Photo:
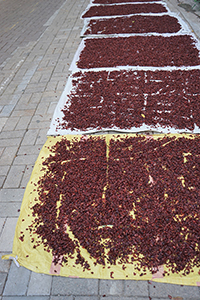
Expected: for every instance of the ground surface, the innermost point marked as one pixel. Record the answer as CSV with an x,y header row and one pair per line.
x,y
37,44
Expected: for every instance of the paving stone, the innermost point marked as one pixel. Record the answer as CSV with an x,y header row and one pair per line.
x,y
52,108
14,176
1,151
26,298
45,77
36,98
7,235
25,159
110,287
30,149
26,107
37,122
2,122
74,286
4,264
157,289
42,109
24,112
62,298
17,281
2,180
4,171
11,195
135,288
2,281
35,78
42,136
30,137
125,298
35,88
23,122
7,110
52,85
10,142
176,298
40,284
11,134
10,209
8,155
87,298
11,123
26,176
61,85
50,94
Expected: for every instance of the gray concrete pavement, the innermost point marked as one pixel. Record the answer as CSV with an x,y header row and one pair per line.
x,y
33,73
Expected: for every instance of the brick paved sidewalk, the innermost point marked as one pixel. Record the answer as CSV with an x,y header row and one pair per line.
x,y
32,79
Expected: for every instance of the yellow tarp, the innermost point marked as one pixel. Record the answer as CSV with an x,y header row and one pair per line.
x,y
39,260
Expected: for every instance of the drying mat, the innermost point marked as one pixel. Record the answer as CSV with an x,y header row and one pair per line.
x,y
120,207
135,24
124,9
129,101
152,51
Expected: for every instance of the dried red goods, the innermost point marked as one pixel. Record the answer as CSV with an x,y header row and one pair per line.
x,y
142,201
134,24
126,99
119,1
125,9
139,51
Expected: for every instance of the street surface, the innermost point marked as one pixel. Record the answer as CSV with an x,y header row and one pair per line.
x,y
38,41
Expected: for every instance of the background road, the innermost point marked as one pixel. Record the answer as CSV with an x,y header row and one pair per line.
x,y
22,21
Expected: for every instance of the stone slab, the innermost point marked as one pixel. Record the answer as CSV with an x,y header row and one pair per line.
x,y
26,298
30,149
87,298
10,142
40,284
10,134
25,159
2,180
4,264
62,298
10,209
17,282
7,235
135,288
4,170
2,122
110,287
11,195
74,286
14,176
2,281
157,289
125,298
26,176
8,155
30,137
